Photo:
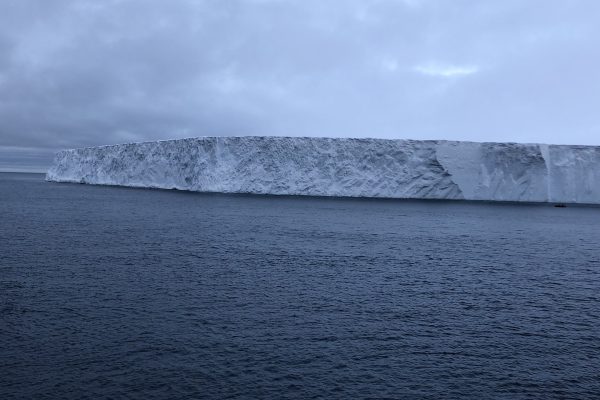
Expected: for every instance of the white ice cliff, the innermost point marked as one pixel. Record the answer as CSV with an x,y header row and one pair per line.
x,y
343,167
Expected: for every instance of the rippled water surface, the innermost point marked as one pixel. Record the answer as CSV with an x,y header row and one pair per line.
x,y
144,294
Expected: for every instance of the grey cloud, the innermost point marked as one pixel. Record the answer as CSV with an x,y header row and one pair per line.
x,y
83,72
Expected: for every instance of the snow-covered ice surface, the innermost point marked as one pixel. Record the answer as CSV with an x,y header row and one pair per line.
x,y
343,167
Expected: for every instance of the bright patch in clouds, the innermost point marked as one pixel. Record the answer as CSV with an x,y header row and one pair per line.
x,y
446,71
389,64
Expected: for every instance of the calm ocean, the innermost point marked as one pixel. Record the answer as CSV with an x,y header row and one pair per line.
x,y
147,294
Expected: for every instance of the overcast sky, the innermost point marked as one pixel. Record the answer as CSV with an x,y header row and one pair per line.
x,y
90,72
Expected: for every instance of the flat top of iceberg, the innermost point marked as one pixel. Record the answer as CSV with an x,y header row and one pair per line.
x,y
278,137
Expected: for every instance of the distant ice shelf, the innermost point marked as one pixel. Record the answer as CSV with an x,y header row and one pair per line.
x,y
343,167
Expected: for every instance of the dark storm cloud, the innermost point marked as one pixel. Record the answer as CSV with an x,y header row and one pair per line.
x,y
88,72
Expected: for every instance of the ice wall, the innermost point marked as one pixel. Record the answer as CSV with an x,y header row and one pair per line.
x,y
344,167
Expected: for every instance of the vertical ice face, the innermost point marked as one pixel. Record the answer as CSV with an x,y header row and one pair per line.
x,y
343,167
574,173
496,171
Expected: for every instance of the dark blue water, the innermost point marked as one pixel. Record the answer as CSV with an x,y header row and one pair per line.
x,y
144,294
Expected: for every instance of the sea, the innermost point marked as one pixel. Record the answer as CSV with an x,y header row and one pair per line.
x,y
121,293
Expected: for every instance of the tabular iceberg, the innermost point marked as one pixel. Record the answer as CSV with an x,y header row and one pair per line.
x,y
343,167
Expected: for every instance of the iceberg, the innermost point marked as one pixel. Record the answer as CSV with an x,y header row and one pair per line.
x,y
345,167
